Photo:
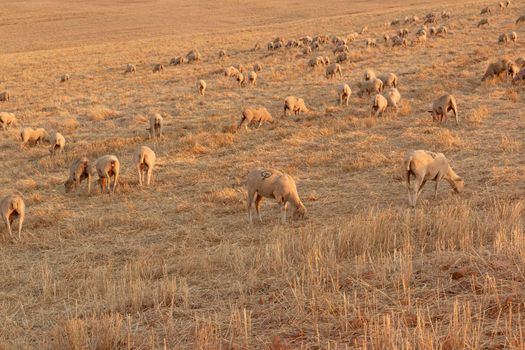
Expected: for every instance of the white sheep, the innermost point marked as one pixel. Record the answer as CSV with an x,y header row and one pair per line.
x,y
108,167
79,170
5,96
64,78
341,48
520,62
58,142
386,37
7,120
421,39
270,183
33,135
11,207
294,105
201,87
315,61
378,105
252,78
370,86
144,159
158,68
156,123
369,75
332,70
442,30
507,3
424,166
503,66
344,94
255,115
443,105
130,68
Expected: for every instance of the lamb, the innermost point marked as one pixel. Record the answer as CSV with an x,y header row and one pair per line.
x,y
393,97
156,123
252,78
270,183
178,60
399,41
222,53
57,143
389,80
503,38
193,56
7,119
442,106
130,68
378,104
485,11
257,67
424,166
11,207
332,70
344,94
33,135
483,21
5,96
252,114
80,169
64,78
144,159
513,36
158,68
369,75
520,19
107,166
370,86
294,105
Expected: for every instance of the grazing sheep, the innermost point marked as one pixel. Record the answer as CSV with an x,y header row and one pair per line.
x,y
222,53
402,32
241,79
369,75
395,22
11,207
144,159
393,97
292,43
107,166
433,30
294,105
272,183
332,70
57,143
389,80
255,115
252,78
513,36
378,104
442,30
485,11
306,40
370,86
64,78
80,169
424,166
158,68
386,37
175,61
483,21
363,30
257,67
5,96
193,56
442,106
325,60
353,36
520,61
399,41
7,120
422,31
503,38
430,18
201,86
270,45
341,48
344,94
33,135
130,68
231,72
370,42
499,68
316,61
307,50
520,19
421,39
341,57
277,45
156,123
519,77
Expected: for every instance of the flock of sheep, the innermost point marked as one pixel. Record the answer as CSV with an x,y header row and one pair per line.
x,y
418,166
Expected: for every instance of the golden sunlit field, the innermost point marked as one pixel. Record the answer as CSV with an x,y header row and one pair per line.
x,y
176,265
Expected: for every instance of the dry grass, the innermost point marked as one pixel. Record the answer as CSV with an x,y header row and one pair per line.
x,y
176,265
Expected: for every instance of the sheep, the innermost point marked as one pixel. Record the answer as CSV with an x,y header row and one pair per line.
x,y
399,41
231,71
344,94
353,36
442,30
158,68
64,78
442,106
307,50
424,166
378,104
57,143
369,75
277,45
7,119
241,79
270,46
395,22
178,60
201,87
507,3
520,19
252,114
433,30
222,53
498,68
292,43
156,123
519,77
5,96
341,48
503,38
520,62
294,105
422,30
80,169
370,42
393,97
306,40
257,46
501,6
33,135
485,11
370,86
144,159
513,36
11,207
445,14
332,70
389,80
107,166
430,18
193,56
315,61
341,57
386,37
402,32
421,39
363,30
252,78
239,67
257,67
130,68
483,21
325,60
271,183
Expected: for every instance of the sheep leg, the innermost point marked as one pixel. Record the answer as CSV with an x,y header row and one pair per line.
x,y
438,180
341,100
421,187
89,183
258,199
347,100
149,172
250,202
8,225
284,206
115,182
20,222
139,170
